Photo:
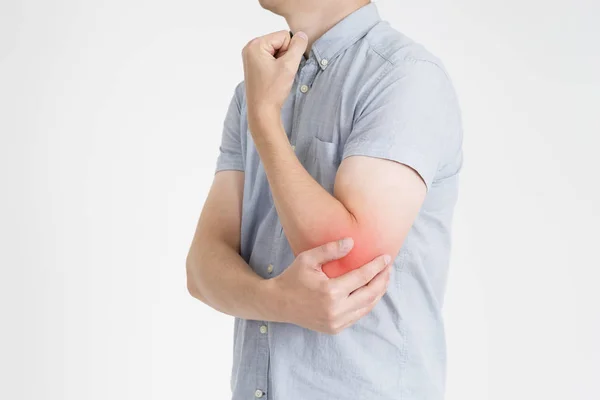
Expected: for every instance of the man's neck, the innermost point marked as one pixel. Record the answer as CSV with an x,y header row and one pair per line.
x,y
318,21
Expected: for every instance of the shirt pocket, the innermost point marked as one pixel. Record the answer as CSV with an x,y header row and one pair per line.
x,y
322,162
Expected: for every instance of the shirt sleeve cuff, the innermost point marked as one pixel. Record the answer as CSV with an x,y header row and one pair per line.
x,y
409,157
228,162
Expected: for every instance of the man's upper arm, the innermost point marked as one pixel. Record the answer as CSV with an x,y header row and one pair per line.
x,y
219,224
222,212
384,197
394,151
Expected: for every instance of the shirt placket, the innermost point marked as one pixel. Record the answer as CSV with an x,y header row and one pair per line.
x,y
301,87
262,361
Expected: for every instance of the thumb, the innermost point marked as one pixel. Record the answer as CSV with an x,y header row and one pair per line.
x,y
328,252
296,48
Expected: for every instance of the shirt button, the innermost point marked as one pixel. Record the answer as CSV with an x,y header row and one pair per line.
x,y
263,329
324,62
304,88
258,393
270,267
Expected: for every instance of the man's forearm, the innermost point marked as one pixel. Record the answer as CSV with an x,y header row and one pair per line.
x,y
220,278
309,215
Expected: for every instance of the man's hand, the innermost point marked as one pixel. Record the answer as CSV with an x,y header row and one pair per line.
x,y
308,298
270,65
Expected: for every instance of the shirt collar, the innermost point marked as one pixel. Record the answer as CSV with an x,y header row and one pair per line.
x,y
344,34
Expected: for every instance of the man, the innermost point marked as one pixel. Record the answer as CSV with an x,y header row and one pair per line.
x,y
326,232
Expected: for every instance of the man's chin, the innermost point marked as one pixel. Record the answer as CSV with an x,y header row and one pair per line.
x,y
275,6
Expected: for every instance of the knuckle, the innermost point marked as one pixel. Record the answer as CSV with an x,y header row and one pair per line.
x,y
329,299
333,294
330,317
334,328
330,291
328,294
248,47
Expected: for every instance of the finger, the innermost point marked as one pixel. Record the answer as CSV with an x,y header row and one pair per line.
x,y
296,48
329,252
355,311
368,295
281,52
274,42
359,277
354,317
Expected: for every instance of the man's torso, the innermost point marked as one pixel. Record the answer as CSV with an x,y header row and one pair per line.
x,y
398,350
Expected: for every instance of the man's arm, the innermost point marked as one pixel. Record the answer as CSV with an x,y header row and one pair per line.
x,y
375,201
389,160
218,276
302,294
216,273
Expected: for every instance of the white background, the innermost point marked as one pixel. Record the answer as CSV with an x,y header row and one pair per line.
x,y
110,118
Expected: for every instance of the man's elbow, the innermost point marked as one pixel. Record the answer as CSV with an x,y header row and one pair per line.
x,y
191,278
191,286
369,242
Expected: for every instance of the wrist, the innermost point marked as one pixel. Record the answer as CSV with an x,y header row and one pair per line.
x,y
263,118
273,303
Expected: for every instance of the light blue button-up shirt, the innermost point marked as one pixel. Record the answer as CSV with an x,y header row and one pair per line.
x,y
365,89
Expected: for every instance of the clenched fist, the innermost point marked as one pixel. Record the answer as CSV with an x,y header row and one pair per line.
x,y
270,65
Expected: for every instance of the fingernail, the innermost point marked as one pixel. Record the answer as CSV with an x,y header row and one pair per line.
x,y
387,259
302,35
346,244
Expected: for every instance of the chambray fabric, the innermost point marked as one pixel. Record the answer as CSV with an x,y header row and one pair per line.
x,y
378,94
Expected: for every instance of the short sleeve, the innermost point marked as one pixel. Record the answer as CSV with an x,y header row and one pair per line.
x,y
230,151
409,117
